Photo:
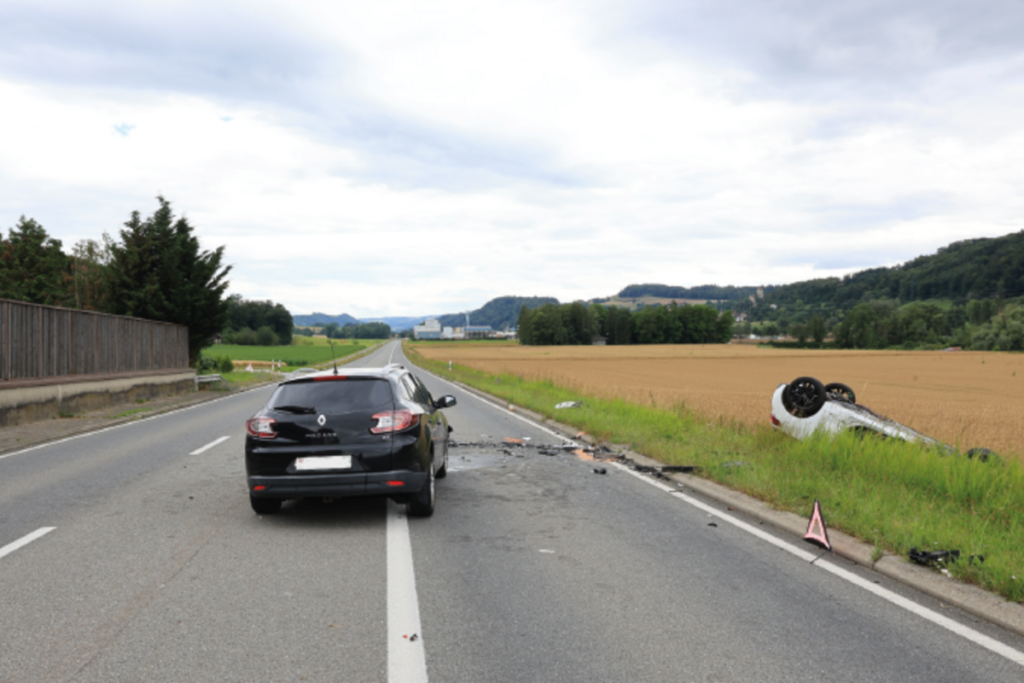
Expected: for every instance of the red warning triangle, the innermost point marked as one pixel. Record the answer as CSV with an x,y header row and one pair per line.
x,y
816,531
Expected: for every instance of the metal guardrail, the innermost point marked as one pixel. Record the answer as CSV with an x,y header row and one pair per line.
x,y
209,379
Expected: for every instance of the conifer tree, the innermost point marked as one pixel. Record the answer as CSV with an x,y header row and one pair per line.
x,y
159,272
32,265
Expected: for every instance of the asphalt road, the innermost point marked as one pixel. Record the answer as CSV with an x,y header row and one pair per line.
x,y
533,568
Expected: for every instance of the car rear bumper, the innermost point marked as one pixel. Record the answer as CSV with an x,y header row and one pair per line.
x,y
337,485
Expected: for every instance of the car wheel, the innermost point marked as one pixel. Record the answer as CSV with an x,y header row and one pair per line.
x,y
803,397
422,502
982,454
443,472
840,392
264,506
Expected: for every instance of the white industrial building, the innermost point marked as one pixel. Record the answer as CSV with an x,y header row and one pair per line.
x,y
430,329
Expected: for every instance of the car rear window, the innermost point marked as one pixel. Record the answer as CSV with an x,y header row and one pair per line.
x,y
335,396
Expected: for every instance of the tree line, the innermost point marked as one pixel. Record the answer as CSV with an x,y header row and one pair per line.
x,y
155,270
716,292
579,323
376,330
257,323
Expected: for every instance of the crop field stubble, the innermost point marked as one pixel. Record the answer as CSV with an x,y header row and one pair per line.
x,y
964,398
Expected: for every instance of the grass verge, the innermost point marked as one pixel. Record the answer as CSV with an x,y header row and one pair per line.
x,y
293,356
892,494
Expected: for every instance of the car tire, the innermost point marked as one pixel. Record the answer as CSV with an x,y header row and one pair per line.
x,y
836,391
803,397
264,506
982,455
443,472
422,502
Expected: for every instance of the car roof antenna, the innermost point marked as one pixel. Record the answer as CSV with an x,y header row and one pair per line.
x,y
331,343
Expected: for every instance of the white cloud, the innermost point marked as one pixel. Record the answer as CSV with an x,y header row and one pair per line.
x,y
396,158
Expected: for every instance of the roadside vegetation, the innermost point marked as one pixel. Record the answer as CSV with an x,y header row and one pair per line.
x,y
305,352
889,493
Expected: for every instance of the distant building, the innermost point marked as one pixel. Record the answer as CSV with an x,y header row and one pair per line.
x,y
478,331
430,329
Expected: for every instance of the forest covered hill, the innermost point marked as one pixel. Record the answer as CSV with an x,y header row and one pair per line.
x,y
498,313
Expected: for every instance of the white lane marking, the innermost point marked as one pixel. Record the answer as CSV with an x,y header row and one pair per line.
x,y
391,358
496,407
970,634
25,540
128,424
407,661
210,445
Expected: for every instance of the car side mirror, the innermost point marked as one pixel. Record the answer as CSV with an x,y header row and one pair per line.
x,y
445,402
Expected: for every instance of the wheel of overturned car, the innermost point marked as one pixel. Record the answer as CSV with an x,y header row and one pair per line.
x,y
982,454
422,502
803,397
837,391
264,506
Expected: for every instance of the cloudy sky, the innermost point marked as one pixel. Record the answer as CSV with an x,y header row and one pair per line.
x,y
401,157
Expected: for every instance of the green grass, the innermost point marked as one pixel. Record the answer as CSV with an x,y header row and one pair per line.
x,y
136,411
293,356
889,493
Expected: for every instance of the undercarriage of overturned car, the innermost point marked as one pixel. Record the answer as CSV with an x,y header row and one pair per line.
x,y
805,406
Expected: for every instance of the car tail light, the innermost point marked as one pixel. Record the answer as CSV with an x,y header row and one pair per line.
x,y
394,421
261,427
775,421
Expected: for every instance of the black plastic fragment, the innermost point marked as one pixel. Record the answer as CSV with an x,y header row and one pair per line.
x,y
600,470
933,558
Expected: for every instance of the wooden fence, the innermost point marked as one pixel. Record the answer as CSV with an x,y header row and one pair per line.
x,y
42,343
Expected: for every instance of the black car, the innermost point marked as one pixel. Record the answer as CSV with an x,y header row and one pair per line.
x,y
357,432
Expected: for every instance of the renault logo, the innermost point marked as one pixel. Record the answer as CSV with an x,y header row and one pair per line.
x,y
321,420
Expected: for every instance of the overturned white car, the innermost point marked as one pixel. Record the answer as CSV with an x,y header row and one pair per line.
x,y
805,405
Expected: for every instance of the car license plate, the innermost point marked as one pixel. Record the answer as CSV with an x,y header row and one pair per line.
x,y
325,462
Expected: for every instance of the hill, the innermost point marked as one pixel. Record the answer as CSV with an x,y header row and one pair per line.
x,y
701,293
498,313
963,271
398,323
322,319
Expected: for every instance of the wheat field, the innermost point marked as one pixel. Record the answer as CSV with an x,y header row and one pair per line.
x,y
963,398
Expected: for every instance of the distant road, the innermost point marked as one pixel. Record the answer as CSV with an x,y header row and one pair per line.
x,y
133,555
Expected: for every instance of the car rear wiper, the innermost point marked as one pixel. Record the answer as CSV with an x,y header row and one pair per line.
x,y
301,410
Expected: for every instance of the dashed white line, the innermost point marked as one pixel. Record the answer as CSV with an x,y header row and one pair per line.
x,y
210,445
407,661
25,540
127,424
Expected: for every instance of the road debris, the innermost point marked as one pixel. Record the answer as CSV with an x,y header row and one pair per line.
x,y
569,404
657,471
600,470
932,558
